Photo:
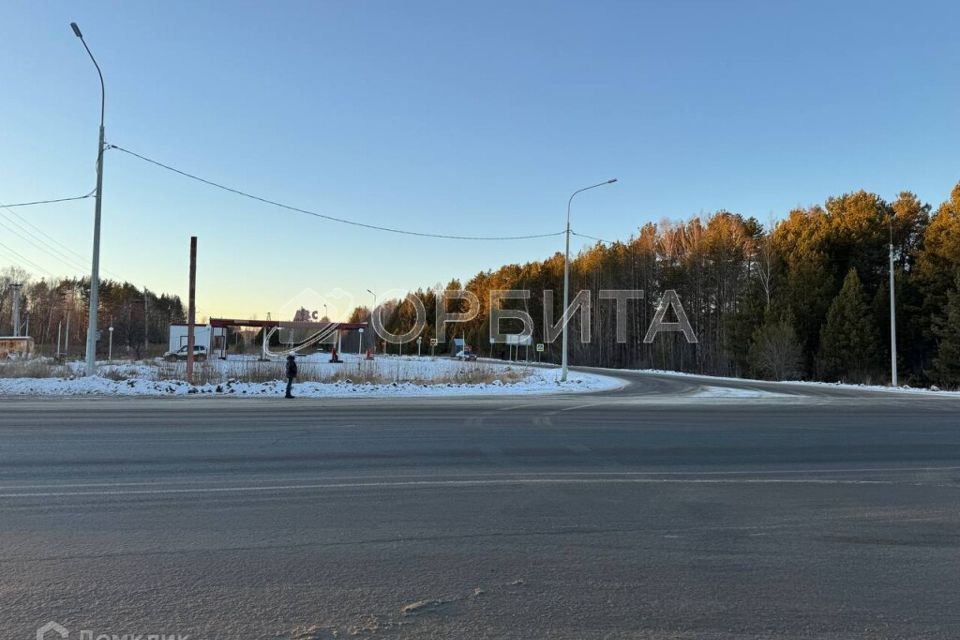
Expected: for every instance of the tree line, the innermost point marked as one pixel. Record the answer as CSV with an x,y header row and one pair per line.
x,y
52,307
807,297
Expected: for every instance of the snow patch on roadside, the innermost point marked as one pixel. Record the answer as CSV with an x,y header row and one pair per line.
x,y
812,383
538,382
729,392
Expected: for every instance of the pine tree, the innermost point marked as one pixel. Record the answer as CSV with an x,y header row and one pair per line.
x,y
848,340
742,327
947,329
775,351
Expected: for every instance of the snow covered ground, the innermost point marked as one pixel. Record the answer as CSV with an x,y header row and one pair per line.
x,y
716,391
710,391
386,376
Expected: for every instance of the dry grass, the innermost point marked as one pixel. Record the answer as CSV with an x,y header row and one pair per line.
x,y
203,372
363,372
117,375
473,373
34,368
215,372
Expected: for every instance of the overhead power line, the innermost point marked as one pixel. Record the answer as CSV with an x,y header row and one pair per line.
x,y
324,216
583,235
21,258
61,252
83,259
35,202
38,243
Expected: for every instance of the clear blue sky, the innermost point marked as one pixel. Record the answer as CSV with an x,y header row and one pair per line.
x,y
454,117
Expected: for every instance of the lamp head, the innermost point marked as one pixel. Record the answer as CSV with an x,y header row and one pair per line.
x,y
76,30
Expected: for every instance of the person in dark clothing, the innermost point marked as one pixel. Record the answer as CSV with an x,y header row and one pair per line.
x,y
291,374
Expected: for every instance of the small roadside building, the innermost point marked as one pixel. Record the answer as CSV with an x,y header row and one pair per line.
x,y
212,339
15,347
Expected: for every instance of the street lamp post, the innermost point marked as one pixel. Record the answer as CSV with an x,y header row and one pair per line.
x,y
566,277
95,269
372,311
893,316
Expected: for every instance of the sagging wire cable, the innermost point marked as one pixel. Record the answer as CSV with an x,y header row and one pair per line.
x,y
308,212
583,235
54,201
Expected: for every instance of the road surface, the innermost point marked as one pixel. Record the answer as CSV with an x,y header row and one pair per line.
x,y
661,510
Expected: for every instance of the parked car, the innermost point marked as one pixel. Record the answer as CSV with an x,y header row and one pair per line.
x,y
199,353
466,355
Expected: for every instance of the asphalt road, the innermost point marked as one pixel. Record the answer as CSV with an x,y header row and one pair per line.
x,y
655,511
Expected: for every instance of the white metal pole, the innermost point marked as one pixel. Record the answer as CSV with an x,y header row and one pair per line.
x,y
893,323
566,279
95,268
59,326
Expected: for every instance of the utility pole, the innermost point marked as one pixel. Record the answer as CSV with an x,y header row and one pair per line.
x,y
192,313
146,325
893,316
16,308
373,310
95,269
566,280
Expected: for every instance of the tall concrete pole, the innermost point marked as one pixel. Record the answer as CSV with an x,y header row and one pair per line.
x,y
372,311
566,281
95,268
893,323
146,326
16,309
